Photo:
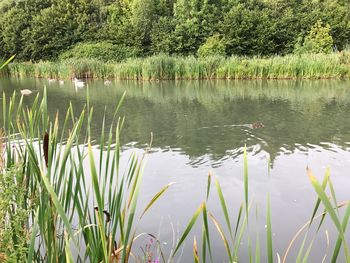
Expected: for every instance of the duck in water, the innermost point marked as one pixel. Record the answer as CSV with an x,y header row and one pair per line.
x,y
257,125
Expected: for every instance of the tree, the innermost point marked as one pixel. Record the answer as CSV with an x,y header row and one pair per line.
x,y
13,27
249,29
318,40
57,28
162,36
143,16
213,46
195,21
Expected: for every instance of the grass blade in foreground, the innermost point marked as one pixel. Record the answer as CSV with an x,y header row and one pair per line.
x,y
325,200
188,228
269,232
8,61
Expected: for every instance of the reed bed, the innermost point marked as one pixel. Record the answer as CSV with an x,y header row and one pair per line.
x,y
162,67
49,206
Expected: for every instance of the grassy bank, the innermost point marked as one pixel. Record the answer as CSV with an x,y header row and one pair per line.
x,y
305,66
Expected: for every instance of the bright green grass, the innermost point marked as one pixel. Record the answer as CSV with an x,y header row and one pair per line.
x,y
162,67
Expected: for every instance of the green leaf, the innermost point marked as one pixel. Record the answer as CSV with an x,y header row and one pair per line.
x,y
188,228
269,232
8,61
155,198
322,195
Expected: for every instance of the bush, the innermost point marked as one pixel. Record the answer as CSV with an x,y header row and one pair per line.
x,y
104,51
214,46
318,40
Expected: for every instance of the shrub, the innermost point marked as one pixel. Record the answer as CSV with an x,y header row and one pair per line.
x,y
104,51
214,46
318,40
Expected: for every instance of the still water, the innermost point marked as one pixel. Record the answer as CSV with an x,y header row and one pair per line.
x,y
199,127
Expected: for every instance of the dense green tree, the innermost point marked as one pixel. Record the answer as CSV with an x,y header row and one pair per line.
x,y
249,30
60,26
162,36
195,21
143,16
213,46
14,25
43,29
337,16
118,27
318,40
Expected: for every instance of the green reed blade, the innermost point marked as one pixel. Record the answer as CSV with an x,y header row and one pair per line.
x,y
206,230
223,206
322,195
307,253
334,198
257,249
301,249
204,245
339,239
134,198
208,184
99,200
58,206
238,219
155,198
269,232
323,217
223,237
32,238
245,158
188,229
7,62
318,202
69,256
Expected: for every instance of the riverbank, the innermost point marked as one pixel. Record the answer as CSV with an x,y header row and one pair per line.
x,y
162,67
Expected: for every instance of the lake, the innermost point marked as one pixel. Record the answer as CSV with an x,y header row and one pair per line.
x,y
202,126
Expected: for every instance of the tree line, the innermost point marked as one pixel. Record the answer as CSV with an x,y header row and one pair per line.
x,y
118,29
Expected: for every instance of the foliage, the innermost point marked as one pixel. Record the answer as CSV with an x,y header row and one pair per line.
x,y
213,46
318,40
97,221
104,51
162,36
304,66
41,30
14,214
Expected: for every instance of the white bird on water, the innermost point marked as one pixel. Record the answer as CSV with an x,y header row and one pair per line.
x,y
78,83
61,82
108,82
26,92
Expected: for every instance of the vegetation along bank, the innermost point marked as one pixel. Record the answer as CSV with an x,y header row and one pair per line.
x,y
176,39
163,67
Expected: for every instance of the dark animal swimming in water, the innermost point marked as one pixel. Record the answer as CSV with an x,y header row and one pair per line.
x,y
257,125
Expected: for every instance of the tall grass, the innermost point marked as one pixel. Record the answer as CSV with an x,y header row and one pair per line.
x,y
79,204
162,67
232,232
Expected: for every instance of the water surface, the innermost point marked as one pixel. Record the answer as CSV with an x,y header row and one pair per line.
x,y
201,126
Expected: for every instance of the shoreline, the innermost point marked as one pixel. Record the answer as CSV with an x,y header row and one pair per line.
x,y
166,68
